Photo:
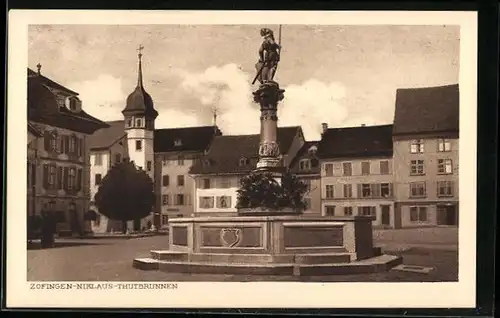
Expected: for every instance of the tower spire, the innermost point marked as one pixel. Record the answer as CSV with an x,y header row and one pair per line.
x,y
214,112
139,77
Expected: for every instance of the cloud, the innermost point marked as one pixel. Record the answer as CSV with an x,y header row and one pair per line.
x,y
102,97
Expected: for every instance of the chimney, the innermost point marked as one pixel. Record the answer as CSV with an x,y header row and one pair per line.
x,y
363,125
39,67
324,128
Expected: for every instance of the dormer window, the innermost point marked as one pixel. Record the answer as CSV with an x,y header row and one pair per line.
x,y
206,162
304,164
244,161
177,143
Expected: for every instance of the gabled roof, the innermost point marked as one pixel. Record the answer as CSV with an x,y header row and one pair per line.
x,y
427,110
106,137
352,142
306,152
226,152
195,139
43,108
47,81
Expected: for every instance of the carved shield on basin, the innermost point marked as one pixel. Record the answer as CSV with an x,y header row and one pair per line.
x,y
230,237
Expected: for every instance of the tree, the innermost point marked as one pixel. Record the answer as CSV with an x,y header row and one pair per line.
x,y
261,190
126,193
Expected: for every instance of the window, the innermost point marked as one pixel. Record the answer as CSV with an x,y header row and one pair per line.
x,y
329,169
417,189
367,210
418,214
416,167
330,210
138,145
385,190
51,180
307,182
164,199
60,178
366,190
244,161
444,145
445,166
307,203
53,141
348,210
98,179
206,202
329,191
365,168
224,183
180,161
138,122
347,169
445,188
206,184
129,123
118,158
164,161
177,143
148,165
305,164
384,167
71,178
98,159
180,181
224,202
347,191
165,180
72,104
72,144
164,219
179,199
417,146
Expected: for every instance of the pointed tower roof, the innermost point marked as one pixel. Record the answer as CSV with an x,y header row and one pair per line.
x,y
139,102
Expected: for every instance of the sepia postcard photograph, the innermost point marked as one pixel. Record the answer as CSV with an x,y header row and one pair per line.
x,y
218,159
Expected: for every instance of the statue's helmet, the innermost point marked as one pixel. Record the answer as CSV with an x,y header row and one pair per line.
x,y
266,32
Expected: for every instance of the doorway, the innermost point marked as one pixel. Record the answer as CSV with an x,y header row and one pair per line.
x,y
137,225
386,214
447,215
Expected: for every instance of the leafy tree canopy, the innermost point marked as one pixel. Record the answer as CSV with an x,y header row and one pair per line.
x,y
126,193
261,190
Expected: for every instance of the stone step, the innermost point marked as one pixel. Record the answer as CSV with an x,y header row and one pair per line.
x,y
310,258
371,265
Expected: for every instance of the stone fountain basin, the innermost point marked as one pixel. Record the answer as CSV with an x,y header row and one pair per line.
x,y
271,245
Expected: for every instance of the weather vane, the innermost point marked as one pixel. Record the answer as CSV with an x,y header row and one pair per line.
x,y
139,49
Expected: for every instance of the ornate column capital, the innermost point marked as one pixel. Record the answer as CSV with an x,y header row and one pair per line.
x,y
268,95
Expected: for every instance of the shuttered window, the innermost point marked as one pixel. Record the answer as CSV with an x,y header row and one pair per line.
x,y
79,177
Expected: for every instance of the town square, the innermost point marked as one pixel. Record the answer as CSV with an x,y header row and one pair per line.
x,y
243,153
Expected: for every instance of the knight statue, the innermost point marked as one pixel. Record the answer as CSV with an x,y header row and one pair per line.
x,y
269,56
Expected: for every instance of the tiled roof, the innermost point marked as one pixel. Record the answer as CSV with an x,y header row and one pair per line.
x,y
352,142
43,108
106,137
47,81
196,139
226,152
427,110
306,152
34,130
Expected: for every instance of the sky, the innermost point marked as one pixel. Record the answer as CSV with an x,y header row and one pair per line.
x,y
340,75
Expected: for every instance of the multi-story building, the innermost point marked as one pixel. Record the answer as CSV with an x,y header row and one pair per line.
x,y
58,157
165,154
426,139
306,166
356,172
230,158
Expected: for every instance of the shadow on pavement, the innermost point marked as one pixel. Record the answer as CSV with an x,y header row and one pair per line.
x,y
38,245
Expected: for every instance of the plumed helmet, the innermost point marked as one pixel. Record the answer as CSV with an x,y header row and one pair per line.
x,y
266,32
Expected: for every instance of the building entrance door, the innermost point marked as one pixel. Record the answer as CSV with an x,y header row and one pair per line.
x,y
450,215
386,214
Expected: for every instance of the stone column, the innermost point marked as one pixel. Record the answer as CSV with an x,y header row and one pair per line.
x,y
267,96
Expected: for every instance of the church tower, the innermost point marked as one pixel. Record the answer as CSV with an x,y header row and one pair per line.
x,y
140,117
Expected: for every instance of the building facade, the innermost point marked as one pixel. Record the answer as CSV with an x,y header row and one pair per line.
x,y
165,154
426,145
58,156
357,173
217,174
306,166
